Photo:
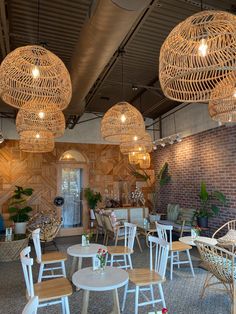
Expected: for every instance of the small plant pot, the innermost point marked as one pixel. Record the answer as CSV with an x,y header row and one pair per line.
x,y
202,222
20,227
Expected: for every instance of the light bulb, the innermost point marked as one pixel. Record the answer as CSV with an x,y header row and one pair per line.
x,y
203,47
140,148
135,138
37,135
230,118
178,138
35,72
41,114
234,94
219,123
163,144
1,138
123,118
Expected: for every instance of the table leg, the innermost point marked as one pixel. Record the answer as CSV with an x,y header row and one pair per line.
x,y
73,266
85,302
80,263
116,308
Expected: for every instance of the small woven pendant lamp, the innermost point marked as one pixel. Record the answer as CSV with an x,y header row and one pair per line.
x,y
197,54
39,120
144,161
33,73
36,141
143,145
133,158
223,108
122,122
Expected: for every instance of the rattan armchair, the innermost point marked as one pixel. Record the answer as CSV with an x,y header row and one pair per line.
x,y
228,242
221,266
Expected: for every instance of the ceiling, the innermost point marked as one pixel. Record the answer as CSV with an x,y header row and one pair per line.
x,y
60,24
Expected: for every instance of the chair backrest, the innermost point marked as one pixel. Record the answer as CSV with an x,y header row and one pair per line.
x,y
27,264
37,245
130,232
107,223
218,261
224,228
158,260
31,306
99,219
163,231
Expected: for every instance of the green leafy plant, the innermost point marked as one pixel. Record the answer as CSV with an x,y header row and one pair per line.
x,y
207,208
92,197
17,206
142,174
163,176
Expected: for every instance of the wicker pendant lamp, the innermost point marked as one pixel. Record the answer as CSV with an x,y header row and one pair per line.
x,y
34,74
133,158
143,145
36,141
144,161
197,55
39,120
122,122
223,108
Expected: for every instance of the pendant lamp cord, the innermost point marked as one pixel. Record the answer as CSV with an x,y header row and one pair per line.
x,y
121,54
38,19
201,6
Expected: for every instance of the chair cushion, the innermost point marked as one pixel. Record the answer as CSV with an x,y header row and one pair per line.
x,y
144,276
172,212
228,238
53,257
186,214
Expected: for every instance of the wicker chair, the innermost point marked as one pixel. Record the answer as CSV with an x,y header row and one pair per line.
x,y
228,243
221,266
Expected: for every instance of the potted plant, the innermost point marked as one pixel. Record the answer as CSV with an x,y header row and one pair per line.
x,y
207,208
18,209
92,197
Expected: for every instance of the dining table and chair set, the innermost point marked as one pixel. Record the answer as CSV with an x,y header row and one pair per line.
x,y
119,271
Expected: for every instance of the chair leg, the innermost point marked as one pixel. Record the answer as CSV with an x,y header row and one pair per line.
x,y
178,259
162,295
130,262
112,257
136,299
124,297
190,262
171,264
125,262
63,268
67,308
106,241
208,277
104,238
116,239
96,239
40,272
55,244
63,305
152,295
139,245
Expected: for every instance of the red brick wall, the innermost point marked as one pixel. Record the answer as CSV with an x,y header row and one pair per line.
x,y
209,156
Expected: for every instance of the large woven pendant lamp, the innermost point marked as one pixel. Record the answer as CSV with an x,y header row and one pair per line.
x,y
197,54
39,120
143,145
34,74
36,141
122,122
223,107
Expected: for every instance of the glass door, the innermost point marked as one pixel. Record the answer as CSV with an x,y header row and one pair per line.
x,y
71,191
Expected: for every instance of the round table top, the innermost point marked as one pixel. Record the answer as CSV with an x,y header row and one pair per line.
x,y
93,280
189,240
78,250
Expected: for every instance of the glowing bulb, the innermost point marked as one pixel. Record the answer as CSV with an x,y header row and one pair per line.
x,y
135,138
230,118
123,118
41,114
203,47
35,72
140,148
37,135
234,94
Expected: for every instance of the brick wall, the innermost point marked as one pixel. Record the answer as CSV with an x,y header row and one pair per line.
x,y
209,156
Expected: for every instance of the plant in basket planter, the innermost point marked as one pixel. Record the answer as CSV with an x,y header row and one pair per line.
x,y
208,208
18,209
92,197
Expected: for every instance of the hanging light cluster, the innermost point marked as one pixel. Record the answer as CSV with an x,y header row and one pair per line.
x,y
36,81
197,63
143,159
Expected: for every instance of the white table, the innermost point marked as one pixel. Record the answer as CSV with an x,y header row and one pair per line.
x,y
191,241
78,252
89,280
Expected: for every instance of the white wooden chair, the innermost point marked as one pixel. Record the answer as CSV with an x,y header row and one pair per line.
x,y
145,278
126,250
114,232
49,292
32,306
48,259
175,248
100,228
